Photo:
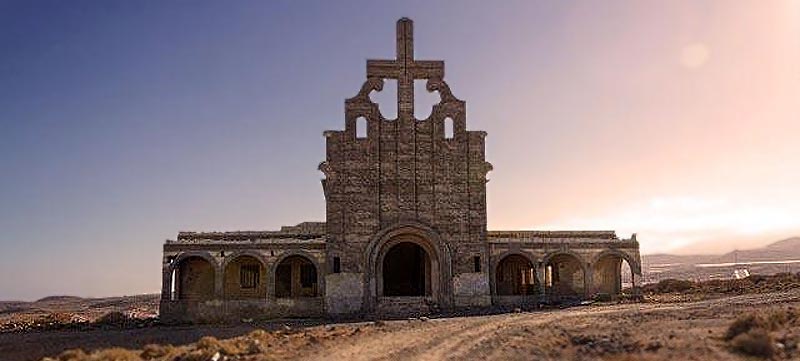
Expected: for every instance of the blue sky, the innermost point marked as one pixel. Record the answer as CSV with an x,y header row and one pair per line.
x,y
122,123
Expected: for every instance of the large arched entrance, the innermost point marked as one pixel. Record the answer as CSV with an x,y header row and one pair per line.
x,y
406,271
515,276
565,277
193,279
612,274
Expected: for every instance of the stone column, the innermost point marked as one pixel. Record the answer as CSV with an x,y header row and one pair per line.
x,y
166,282
588,281
540,276
635,290
219,283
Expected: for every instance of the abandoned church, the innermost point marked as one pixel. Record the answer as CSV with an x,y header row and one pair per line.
x,y
405,228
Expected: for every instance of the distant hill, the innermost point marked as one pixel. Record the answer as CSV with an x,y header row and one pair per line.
x,y
779,251
84,308
786,249
700,267
674,259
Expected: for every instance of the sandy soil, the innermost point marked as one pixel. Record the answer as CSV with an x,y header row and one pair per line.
x,y
688,331
650,331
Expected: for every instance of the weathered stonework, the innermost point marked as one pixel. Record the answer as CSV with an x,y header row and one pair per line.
x,y
405,227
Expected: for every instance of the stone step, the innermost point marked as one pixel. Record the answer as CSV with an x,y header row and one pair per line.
x,y
405,306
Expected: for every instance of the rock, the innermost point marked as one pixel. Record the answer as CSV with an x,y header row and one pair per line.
x,y
653,346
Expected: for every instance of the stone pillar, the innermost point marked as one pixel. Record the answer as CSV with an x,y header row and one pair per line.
x,y
219,283
166,282
295,288
540,277
588,282
635,290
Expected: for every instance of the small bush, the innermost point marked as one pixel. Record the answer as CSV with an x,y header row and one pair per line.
x,y
72,355
212,345
109,354
116,354
743,325
768,321
153,351
756,342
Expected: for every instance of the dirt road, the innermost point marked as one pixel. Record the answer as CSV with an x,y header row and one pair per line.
x,y
645,331
657,331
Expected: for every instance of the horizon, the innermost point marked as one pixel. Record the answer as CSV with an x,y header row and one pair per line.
x,y
124,124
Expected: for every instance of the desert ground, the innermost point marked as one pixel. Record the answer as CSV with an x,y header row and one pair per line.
x,y
727,320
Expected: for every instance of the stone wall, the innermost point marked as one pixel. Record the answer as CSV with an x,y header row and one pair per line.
x,y
344,293
222,255
594,252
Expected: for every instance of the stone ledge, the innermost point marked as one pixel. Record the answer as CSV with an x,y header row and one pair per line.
x,y
302,231
553,234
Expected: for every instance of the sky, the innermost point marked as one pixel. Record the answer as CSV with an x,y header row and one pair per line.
x,y
122,123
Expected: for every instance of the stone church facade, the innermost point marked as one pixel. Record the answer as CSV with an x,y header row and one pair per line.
x,y
405,227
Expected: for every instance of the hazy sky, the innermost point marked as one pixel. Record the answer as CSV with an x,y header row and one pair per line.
x,y
123,122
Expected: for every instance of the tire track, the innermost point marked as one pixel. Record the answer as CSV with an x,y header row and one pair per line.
x,y
471,337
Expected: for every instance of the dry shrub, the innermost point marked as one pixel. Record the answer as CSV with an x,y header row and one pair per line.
x,y
247,345
756,342
780,318
744,324
211,345
197,355
769,321
115,354
73,355
153,351
262,336
109,354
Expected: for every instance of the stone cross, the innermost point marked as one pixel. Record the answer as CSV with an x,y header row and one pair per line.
x,y
405,69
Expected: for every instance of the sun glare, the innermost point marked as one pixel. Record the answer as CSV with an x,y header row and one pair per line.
x,y
694,55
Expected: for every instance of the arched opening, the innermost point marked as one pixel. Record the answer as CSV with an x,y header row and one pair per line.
x,y
449,130
565,276
244,279
611,275
515,276
407,271
361,127
193,279
296,276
